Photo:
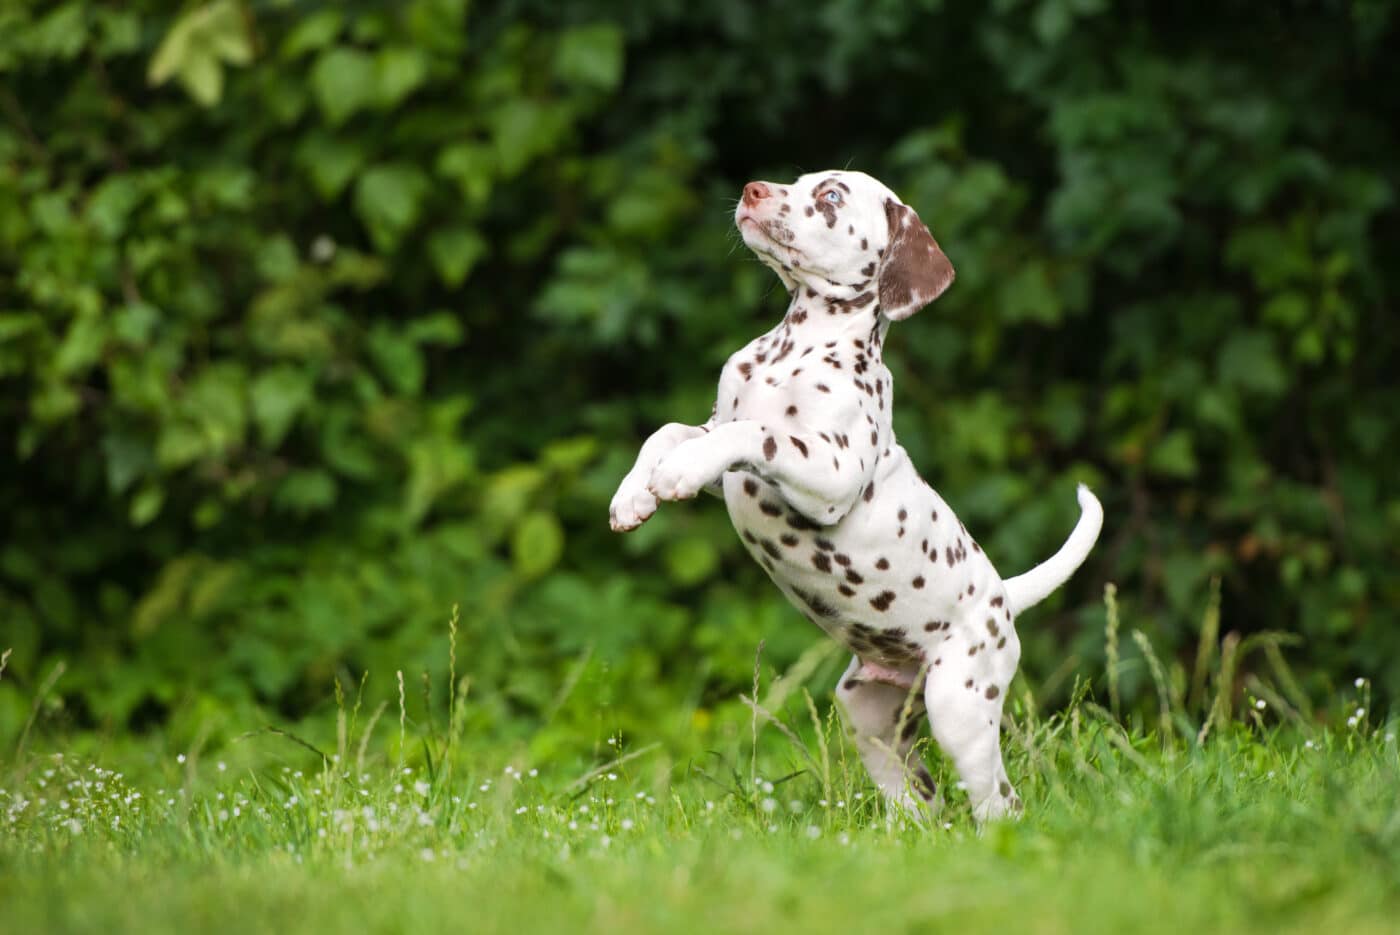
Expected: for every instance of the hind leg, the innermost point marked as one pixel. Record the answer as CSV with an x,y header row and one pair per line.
x,y
965,713
885,719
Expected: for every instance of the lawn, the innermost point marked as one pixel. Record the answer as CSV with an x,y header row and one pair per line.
x,y
1268,822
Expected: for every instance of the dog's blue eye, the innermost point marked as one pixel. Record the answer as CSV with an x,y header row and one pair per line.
x,y
832,196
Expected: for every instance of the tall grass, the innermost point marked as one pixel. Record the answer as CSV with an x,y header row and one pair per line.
x,y
1225,802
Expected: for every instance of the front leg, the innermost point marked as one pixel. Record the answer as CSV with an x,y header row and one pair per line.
x,y
815,477
633,504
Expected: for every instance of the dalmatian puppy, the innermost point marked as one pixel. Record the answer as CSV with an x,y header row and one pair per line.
x,y
800,446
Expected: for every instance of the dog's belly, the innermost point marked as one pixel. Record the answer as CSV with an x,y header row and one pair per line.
x,y
885,581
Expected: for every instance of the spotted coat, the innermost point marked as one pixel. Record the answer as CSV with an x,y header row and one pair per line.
x,y
800,446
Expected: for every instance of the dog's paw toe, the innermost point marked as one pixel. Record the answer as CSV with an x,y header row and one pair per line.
x,y
631,508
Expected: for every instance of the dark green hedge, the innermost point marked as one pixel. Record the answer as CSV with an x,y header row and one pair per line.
x,y
316,318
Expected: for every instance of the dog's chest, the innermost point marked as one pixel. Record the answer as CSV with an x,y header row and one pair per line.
x,y
787,378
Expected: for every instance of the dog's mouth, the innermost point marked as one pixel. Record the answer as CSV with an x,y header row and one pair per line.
x,y
773,232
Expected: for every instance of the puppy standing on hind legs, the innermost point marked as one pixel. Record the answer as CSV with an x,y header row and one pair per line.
x,y
800,446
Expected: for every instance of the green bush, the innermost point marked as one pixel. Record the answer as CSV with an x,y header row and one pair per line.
x,y
318,318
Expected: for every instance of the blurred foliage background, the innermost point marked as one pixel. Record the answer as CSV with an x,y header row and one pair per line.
x,y
317,318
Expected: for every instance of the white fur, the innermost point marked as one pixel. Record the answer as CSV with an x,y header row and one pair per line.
x,y
801,447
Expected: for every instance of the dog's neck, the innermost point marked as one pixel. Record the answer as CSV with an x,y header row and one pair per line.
x,y
840,314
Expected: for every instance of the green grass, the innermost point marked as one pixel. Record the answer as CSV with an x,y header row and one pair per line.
x,y
1265,821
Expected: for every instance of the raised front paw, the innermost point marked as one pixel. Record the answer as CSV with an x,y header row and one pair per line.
x,y
682,473
631,506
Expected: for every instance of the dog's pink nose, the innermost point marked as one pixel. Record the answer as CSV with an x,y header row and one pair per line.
x,y
754,192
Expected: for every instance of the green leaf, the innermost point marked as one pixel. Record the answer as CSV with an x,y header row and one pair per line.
x,y
523,130
82,345
61,34
1249,361
1173,455
398,360
454,251
536,544
399,72
203,77
278,395
111,203
225,29
569,454
1028,294
508,495
128,458
344,82
179,444
388,199
312,32
590,56
166,596
217,401
305,491
330,162
145,506
435,465
440,328
472,167
197,47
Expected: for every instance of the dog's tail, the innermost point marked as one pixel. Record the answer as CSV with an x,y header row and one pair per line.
x,y
1034,586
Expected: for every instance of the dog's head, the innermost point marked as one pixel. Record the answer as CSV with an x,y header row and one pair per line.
x,y
842,231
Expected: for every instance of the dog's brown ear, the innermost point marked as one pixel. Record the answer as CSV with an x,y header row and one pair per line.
x,y
915,271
